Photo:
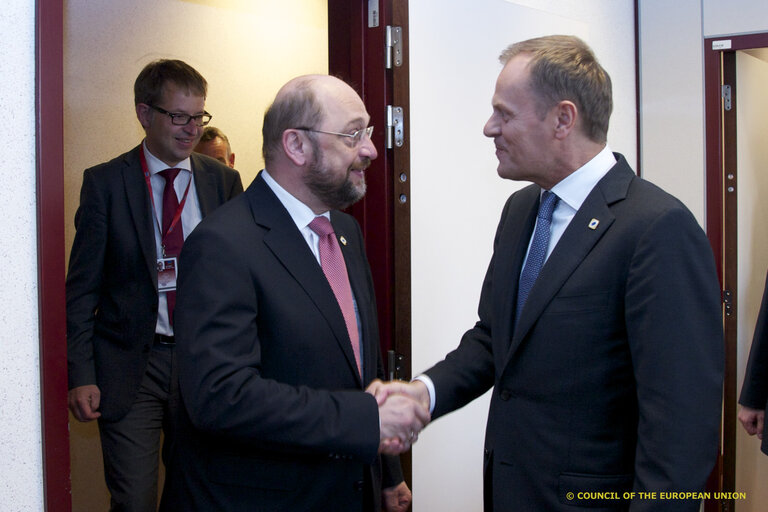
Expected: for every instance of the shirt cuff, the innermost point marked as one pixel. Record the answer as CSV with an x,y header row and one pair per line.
x,y
430,388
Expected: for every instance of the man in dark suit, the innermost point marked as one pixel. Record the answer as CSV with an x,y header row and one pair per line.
x,y
606,363
274,356
754,391
120,334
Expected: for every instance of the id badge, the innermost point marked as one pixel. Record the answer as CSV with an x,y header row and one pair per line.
x,y
166,274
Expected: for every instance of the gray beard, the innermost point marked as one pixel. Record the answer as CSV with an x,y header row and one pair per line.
x,y
336,196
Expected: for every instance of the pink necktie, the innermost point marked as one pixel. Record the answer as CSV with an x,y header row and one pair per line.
x,y
335,271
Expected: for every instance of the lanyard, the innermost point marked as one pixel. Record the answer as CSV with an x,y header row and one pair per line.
x,y
176,216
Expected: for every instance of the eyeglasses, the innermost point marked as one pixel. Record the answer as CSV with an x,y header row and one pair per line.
x,y
184,119
356,136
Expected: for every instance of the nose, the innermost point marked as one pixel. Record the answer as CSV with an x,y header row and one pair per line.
x,y
191,127
491,128
367,149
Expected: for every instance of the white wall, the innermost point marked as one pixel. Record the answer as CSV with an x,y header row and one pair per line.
x,y
21,478
672,99
457,196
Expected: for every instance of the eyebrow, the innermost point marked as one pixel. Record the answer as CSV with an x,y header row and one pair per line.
x,y
354,122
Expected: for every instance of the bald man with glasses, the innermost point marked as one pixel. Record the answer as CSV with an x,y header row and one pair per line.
x,y
279,335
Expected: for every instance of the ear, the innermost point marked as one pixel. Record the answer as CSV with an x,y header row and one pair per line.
x,y
295,147
232,160
565,122
144,113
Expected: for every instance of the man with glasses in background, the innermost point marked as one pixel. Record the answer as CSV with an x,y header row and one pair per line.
x,y
135,212
278,331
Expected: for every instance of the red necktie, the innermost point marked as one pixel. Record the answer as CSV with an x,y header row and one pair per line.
x,y
173,240
335,271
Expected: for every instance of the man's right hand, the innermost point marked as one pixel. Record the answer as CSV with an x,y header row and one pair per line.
x,y
84,402
402,418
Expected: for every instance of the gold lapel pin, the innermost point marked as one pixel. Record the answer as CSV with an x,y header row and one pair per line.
x,y
343,240
593,224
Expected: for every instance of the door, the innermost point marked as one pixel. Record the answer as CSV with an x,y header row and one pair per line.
x,y
368,47
734,80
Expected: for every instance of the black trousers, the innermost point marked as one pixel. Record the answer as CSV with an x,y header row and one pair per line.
x,y
131,446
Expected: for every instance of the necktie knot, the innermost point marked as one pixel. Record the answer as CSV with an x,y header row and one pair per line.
x,y
547,206
321,225
170,175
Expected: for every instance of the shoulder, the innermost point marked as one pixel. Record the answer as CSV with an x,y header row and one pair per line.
x,y
211,165
108,168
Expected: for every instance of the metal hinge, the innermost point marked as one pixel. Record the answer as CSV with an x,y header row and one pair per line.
x,y
395,129
394,46
726,97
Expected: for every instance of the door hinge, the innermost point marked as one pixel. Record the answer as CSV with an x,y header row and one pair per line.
x,y
395,130
727,97
394,46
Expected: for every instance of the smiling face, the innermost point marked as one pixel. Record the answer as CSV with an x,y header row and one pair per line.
x,y
169,142
336,172
522,136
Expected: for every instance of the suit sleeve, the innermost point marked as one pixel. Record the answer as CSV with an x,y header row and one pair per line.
x,y
754,392
84,281
236,186
674,331
220,363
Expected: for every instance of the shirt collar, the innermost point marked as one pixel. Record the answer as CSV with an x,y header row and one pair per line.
x,y
155,165
301,214
575,188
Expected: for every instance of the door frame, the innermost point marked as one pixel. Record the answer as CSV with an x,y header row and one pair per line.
x,y
389,255
721,223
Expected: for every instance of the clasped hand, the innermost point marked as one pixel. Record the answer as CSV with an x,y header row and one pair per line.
x,y
403,413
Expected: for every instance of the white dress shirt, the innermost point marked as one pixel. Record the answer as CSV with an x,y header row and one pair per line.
x,y
190,216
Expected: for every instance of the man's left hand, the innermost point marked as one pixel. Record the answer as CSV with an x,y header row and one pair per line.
x,y
397,498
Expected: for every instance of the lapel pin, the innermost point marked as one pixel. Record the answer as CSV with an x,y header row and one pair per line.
x,y
343,240
593,224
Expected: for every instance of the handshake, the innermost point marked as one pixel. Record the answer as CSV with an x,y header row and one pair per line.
x,y
403,413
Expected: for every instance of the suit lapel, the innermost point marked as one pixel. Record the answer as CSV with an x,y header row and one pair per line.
x,y
577,241
141,209
289,247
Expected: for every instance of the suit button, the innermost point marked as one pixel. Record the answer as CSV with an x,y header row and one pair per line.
x,y
505,394
359,485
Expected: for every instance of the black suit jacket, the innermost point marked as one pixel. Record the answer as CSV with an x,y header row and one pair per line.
x,y
754,392
275,417
111,286
611,379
